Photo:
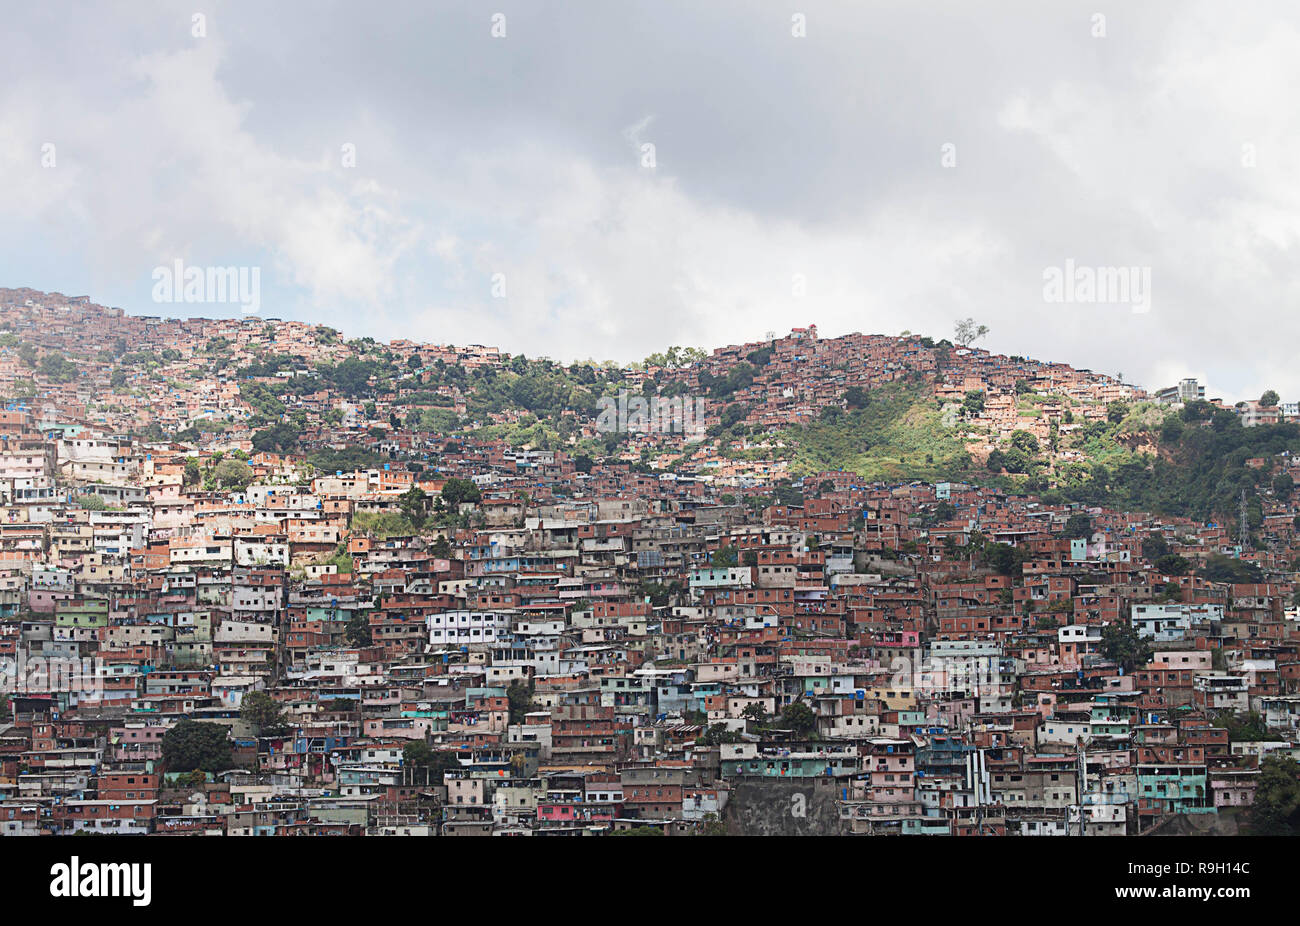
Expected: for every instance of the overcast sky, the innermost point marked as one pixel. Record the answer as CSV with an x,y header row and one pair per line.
x,y
896,167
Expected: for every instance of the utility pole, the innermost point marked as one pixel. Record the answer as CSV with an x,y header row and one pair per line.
x,y
1081,783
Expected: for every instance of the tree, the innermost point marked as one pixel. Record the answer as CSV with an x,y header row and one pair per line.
x,y
281,437
1277,798
967,332
231,473
723,558
263,712
857,397
713,826
1024,442
193,745
1120,643
440,548
1269,399
717,734
520,697
414,503
358,630
1220,568
973,403
1077,526
1005,558
799,718
57,368
418,754
1249,727
1171,564
1154,546
457,491
1116,410
755,712
194,779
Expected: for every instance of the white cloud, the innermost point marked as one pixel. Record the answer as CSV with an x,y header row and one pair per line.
x,y
777,157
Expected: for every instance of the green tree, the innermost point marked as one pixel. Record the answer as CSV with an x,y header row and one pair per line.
x,y
723,558
358,630
857,397
457,491
799,718
973,403
57,368
1077,526
717,734
1269,399
263,712
520,696
281,437
191,745
420,755
713,826
1248,727
1024,442
1154,546
417,753
1220,568
1120,643
414,503
233,474
1171,564
1005,558
1277,798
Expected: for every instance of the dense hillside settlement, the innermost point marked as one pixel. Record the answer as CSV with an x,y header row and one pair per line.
x,y
260,579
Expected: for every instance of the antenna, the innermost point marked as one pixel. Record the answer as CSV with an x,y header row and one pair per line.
x,y
1243,526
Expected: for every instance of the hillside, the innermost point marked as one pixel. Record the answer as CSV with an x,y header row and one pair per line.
x,y
886,408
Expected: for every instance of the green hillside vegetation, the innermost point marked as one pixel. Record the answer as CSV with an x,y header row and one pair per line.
x,y
1200,470
1198,467
899,434
1142,456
